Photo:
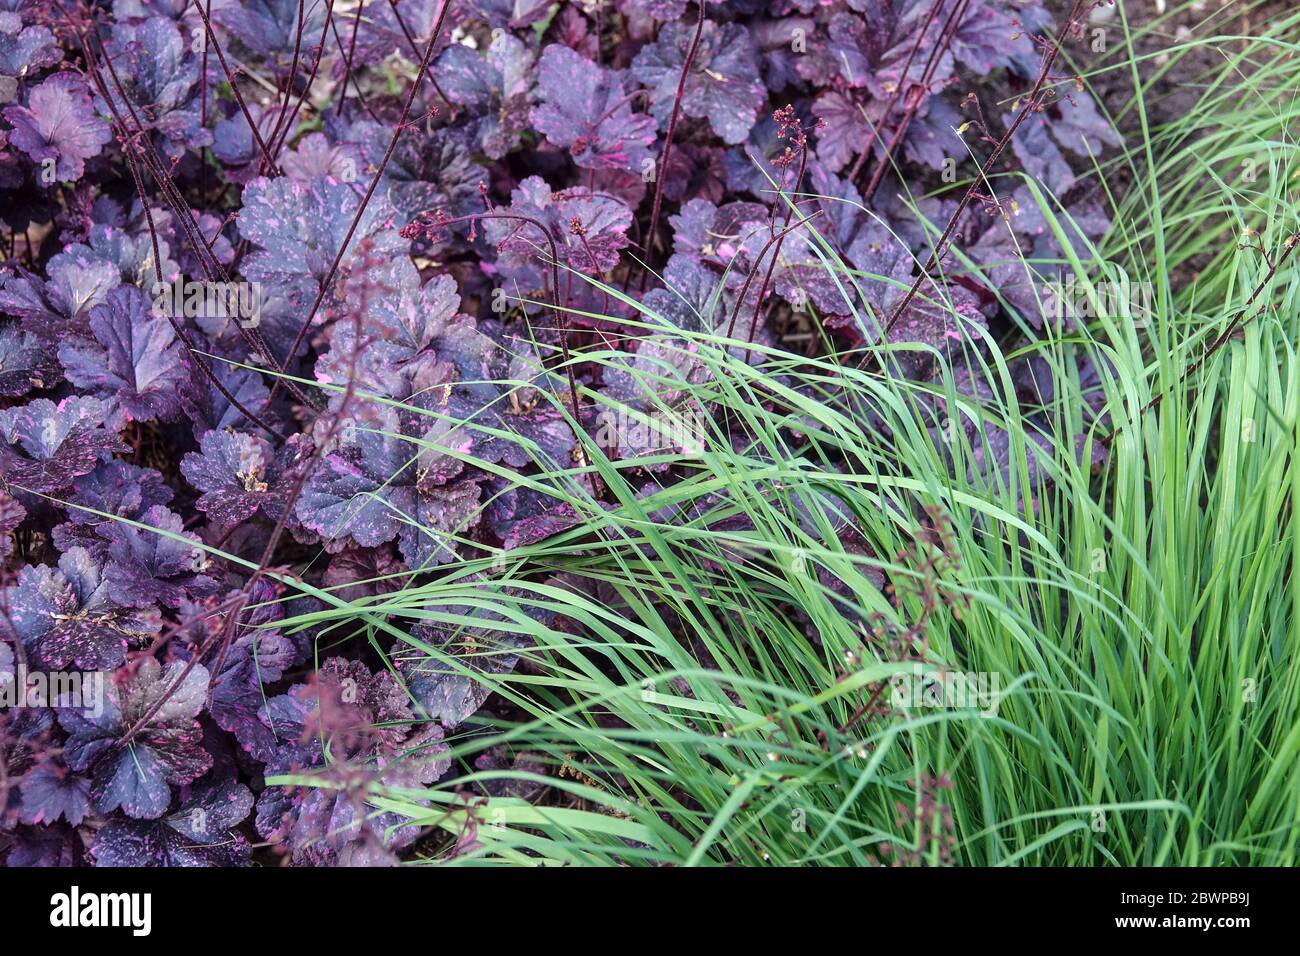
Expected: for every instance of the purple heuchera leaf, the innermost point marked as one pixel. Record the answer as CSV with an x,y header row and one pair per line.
x,y
66,616
235,472
379,487
234,143
604,222
690,301
300,227
521,401
198,833
366,721
496,88
134,359
50,791
407,329
801,273
585,110
258,656
166,750
454,681
712,234
207,408
78,281
270,27
433,170
48,445
159,74
871,52
521,516
946,326
400,27
24,363
41,846
846,127
1081,128
363,572
24,50
988,39
515,14
59,123
147,566
665,11
131,252
114,488
723,85
316,156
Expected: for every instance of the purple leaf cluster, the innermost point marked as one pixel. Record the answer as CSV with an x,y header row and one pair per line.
x,y
286,294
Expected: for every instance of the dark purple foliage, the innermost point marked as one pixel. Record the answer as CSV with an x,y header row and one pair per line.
x,y
24,364
58,123
134,358
51,792
400,399
297,227
391,480
369,727
157,563
158,70
113,490
199,832
165,750
46,445
24,49
67,615
52,307
602,219
585,110
497,89
723,84
236,472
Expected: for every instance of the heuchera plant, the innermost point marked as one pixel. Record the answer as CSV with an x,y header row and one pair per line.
x,y
386,217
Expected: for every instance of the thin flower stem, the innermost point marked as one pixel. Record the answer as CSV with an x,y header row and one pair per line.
x,y
898,91
328,280
1031,105
668,139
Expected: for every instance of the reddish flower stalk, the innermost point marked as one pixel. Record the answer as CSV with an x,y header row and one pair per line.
x,y
788,126
916,95
278,147
415,48
347,60
203,100
141,148
239,97
898,91
288,83
129,153
1032,104
365,200
744,289
668,140
304,469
